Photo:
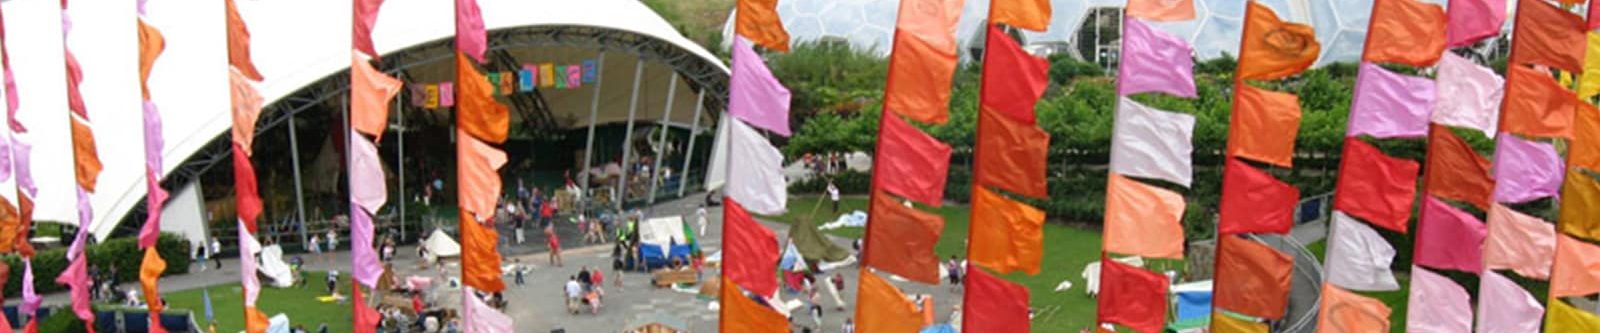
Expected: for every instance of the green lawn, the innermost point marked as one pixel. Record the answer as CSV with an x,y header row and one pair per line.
x,y
299,303
1066,251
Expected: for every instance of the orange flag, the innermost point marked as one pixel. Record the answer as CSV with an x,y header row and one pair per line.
x,y
246,109
1252,278
1345,311
901,240
758,21
478,166
1576,271
239,44
1264,125
1406,32
1013,155
1271,49
1143,220
151,43
924,60
88,157
1457,172
1161,10
149,274
25,209
1547,35
882,308
1006,235
1580,205
254,320
477,112
1536,105
1024,14
10,223
480,262
370,92
1585,149
741,314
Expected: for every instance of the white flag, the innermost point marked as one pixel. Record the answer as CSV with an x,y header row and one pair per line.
x,y
248,247
755,177
1437,304
477,316
1151,143
717,171
1469,95
1358,258
1504,307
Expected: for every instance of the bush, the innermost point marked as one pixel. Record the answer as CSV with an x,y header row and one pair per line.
x,y
849,182
1064,69
123,253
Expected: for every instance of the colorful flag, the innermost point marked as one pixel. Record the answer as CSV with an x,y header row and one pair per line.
x,y
1584,149
1564,318
1132,297
590,71
1375,187
547,75
1013,155
1264,124
1536,105
754,95
239,44
574,77
1576,271
370,92
1223,323
480,261
1547,35
994,304
507,84
478,114
1408,32
1521,243
478,316
1252,278
1473,20
255,321
366,16
754,262
246,108
760,184
431,96
1580,205
1344,311
447,94
364,265
1469,94
1161,10
155,196
1007,236
471,39
1142,220
918,162
1255,202
76,278
478,166
1589,81
1023,14
901,240
1455,171
1437,304
882,308
1151,143
86,156
365,319
246,192
1152,60
526,78
740,314
758,21
1389,104
923,63
1357,257
1015,79
151,43
1525,170
1273,49
1504,307
1449,238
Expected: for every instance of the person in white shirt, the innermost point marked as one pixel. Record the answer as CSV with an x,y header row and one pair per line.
x,y
700,215
574,294
216,247
833,194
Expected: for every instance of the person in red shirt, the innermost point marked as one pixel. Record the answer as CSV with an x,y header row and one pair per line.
x,y
555,244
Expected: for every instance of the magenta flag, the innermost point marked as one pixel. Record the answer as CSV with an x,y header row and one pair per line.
x,y
30,299
477,316
754,95
1449,238
1473,20
76,278
1154,61
1437,304
1390,105
366,175
1518,242
363,258
155,196
1525,170
153,141
1504,307
471,39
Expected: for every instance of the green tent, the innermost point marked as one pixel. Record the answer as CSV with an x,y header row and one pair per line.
x,y
813,244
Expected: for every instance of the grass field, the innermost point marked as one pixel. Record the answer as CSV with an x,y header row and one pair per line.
x,y
227,300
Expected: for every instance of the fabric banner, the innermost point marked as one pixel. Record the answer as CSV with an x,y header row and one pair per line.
x,y
1576,271
1154,61
1273,49
247,104
1013,79
1548,35
1437,304
370,93
1344,311
741,314
480,260
1536,105
1013,155
1151,143
1408,32
151,43
1192,305
477,316
1252,278
150,269
1525,170
239,44
1023,14
758,20
471,39
1006,235
1584,149
923,62
1455,171
920,164
901,240
155,196
758,180
1518,242
247,197
86,157
751,251
1142,220
754,94
76,275
367,186
882,308
1448,238
365,319
1375,187
994,304
1357,257
1132,297
1263,123
1253,201
1473,20
1469,93
477,113
1161,10
365,16
1589,79
1389,104
1580,206
364,265
478,176
1223,323
1504,307
1564,318
249,282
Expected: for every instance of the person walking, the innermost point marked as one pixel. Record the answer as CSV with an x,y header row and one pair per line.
x,y
700,217
833,195
216,249
315,246
554,242
574,294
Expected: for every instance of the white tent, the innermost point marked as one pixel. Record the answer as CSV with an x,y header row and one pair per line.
x,y
663,232
440,244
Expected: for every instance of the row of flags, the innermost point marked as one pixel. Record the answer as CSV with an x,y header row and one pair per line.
x,y
532,76
247,104
151,44
17,220
87,167
481,125
370,93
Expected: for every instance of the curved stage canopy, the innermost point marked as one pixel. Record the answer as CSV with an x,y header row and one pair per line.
x,y
303,49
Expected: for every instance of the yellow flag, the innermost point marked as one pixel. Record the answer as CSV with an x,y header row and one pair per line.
x,y
1589,83
1564,318
1222,323
1580,205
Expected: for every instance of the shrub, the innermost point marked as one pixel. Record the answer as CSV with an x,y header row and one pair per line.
x,y
123,253
849,182
1064,69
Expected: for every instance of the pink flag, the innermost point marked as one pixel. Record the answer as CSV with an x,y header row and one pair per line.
x,y
363,258
1525,170
21,156
366,175
5,158
754,95
471,39
1154,61
1437,304
366,16
1521,243
1448,238
1473,20
1504,307
30,299
1469,94
1390,105
153,141
151,231
477,316
248,247
76,278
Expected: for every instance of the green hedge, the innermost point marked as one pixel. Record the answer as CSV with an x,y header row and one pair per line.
x,y
124,253
849,182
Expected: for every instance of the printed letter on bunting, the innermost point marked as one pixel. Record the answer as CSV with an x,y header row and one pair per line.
x,y
1252,278
1007,235
1026,14
1273,49
1504,307
902,240
1525,170
1469,94
1262,124
918,162
882,308
1143,220
924,60
1161,10
1014,155
1375,187
1474,20
1437,304
1456,171
477,113
1519,242
1536,104
1548,35
1015,78
1565,318
1132,297
1408,32
1346,312
1389,104
1580,206
754,95
758,20
1153,61
1151,143
1576,271
995,305
1357,257
754,260
1449,238
1255,202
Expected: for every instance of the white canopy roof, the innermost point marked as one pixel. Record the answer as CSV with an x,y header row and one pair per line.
x,y
295,43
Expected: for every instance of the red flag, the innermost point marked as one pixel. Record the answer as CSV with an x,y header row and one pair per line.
x,y
1254,201
918,162
1132,297
1406,32
1012,155
366,319
1013,79
1536,105
994,304
901,240
1594,17
750,251
480,261
248,198
1547,35
366,15
1252,278
1455,171
1375,187
239,44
